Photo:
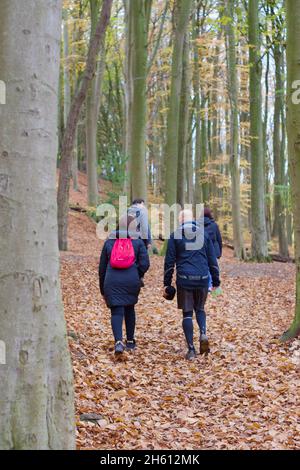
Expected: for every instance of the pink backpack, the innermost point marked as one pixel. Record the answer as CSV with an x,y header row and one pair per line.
x,y
122,255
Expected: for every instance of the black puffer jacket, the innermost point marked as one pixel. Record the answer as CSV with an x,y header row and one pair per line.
x,y
212,229
121,287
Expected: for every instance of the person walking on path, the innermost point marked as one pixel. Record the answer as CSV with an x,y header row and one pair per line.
x,y
123,263
192,253
212,229
139,211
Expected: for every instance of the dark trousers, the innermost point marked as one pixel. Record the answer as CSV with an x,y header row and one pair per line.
x,y
190,301
118,314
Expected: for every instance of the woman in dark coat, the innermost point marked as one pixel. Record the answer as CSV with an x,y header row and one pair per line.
x,y
213,231
121,287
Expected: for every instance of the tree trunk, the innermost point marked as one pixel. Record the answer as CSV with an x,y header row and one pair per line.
x,y
69,134
139,14
265,147
258,219
128,92
36,384
279,176
183,8
197,108
92,111
75,163
205,139
234,139
215,130
67,77
293,126
184,125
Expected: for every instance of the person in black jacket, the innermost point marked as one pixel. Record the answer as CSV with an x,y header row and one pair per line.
x,y
191,250
139,210
121,287
212,228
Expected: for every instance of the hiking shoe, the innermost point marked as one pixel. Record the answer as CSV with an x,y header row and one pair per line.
x,y
119,347
130,345
191,354
204,345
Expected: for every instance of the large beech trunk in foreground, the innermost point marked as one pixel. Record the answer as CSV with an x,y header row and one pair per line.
x,y
293,131
36,386
70,131
258,219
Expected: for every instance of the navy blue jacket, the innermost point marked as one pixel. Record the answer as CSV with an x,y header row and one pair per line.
x,y
121,287
192,265
212,229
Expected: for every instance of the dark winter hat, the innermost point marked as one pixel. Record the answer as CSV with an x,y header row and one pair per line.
x,y
208,213
170,292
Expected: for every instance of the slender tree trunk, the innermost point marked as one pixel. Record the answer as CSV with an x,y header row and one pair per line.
x,y
184,124
75,163
67,77
67,94
36,385
265,147
183,8
92,111
293,126
197,102
139,12
128,93
258,219
215,130
234,139
190,173
69,134
205,139
279,177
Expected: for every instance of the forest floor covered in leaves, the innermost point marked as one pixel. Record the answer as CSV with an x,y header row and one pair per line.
x,y
244,395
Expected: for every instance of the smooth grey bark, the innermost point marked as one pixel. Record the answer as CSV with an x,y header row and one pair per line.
x,y
181,19
67,77
184,124
67,94
197,102
128,93
139,16
92,111
278,142
36,384
75,162
234,135
258,219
